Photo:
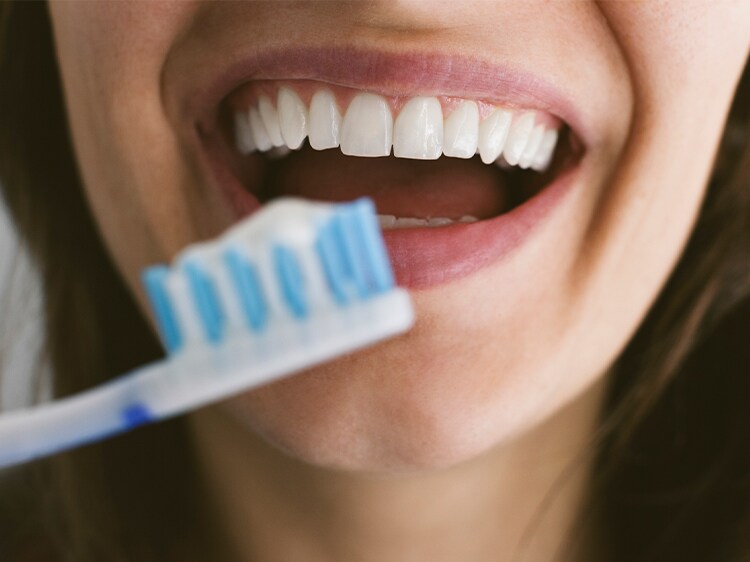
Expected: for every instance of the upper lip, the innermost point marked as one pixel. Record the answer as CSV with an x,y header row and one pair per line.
x,y
389,73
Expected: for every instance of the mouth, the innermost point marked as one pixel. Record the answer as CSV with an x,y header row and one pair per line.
x,y
461,174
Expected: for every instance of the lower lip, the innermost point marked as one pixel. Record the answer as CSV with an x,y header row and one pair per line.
x,y
428,257
431,256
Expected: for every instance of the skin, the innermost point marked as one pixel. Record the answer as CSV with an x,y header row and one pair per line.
x,y
445,442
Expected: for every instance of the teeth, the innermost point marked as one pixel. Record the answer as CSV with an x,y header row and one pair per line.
x,y
367,129
505,138
325,121
270,120
386,221
292,118
544,155
258,129
278,152
461,132
502,164
409,222
418,131
532,147
243,133
390,221
493,132
518,137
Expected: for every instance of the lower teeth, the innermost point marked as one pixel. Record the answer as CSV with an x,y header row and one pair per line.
x,y
390,221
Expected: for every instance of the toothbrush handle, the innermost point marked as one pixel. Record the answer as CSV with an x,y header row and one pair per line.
x,y
188,380
98,413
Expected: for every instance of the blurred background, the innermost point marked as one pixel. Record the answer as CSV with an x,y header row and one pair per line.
x,y
20,320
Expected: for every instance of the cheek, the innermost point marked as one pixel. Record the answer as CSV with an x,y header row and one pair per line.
x,y
140,185
664,56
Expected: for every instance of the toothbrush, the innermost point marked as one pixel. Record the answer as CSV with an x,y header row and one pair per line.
x,y
293,285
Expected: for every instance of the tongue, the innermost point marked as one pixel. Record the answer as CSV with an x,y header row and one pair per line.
x,y
447,187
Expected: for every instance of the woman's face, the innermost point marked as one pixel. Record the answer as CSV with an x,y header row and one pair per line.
x,y
517,314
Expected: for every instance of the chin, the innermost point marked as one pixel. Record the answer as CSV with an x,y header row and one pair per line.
x,y
400,407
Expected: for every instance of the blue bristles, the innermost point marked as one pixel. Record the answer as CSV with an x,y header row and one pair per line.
x,y
249,290
206,301
371,244
291,280
356,234
153,280
330,253
346,234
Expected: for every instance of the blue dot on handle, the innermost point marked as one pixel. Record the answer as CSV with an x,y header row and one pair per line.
x,y
136,414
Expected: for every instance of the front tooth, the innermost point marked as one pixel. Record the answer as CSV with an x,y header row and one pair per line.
x,y
535,141
243,133
270,120
260,136
461,131
325,121
418,131
546,149
518,137
367,129
493,132
292,118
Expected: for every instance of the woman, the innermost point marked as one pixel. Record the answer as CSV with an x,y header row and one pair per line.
x,y
575,386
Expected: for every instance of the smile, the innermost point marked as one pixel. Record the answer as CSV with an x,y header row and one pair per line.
x,y
459,171
425,127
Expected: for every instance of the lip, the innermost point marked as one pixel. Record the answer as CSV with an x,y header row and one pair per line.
x,y
421,257
387,73
427,257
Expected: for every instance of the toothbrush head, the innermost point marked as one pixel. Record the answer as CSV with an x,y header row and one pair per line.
x,y
288,264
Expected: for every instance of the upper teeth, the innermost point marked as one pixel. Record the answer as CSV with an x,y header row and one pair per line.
x,y
420,131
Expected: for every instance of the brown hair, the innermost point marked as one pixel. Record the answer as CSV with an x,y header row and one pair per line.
x,y
673,471
132,498
674,462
